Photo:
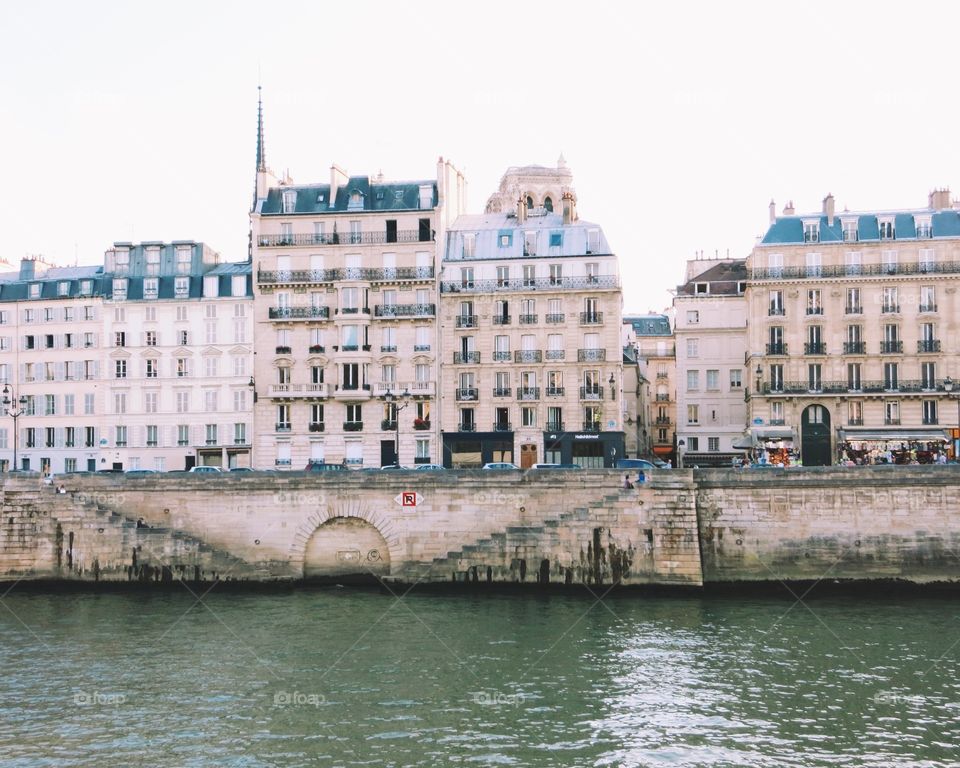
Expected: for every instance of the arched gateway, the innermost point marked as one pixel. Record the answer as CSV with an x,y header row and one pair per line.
x,y
346,547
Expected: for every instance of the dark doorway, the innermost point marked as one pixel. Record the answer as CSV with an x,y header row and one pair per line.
x,y
388,455
425,233
91,465
815,437
190,462
391,230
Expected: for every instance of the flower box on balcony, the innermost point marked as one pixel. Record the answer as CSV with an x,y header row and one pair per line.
x,y
316,349
316,426
421,424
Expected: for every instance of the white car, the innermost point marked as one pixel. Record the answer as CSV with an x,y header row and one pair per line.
x,y
204,469
500,465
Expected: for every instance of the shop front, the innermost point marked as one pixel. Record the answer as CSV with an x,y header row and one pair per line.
x,y
471,450
892,446
775,445
588,449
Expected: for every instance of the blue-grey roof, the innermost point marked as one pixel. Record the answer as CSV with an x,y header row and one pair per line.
x,y
649,325
554,238
13,288
315,198
788,230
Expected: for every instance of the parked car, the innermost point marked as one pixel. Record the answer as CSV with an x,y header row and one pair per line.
x,y
430,468
204,469
635,464
140,472
556,466
385,467
241,469
500,465
319,466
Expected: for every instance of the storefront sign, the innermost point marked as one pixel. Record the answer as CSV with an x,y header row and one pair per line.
x,y
586,437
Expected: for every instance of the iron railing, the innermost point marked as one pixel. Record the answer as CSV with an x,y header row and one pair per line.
x,y
297,313
850,270
526,284
404,310
528,356
343,238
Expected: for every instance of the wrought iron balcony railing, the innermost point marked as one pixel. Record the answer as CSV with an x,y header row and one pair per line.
x,y
928,345
343,238
528,393
591,318
594,392
299,313
404,310
891,347
854,347
591,355
461,358
528,356
502,391
815,348
526,284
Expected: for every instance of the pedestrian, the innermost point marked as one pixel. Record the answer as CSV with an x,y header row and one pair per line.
x,y
641,478
626,482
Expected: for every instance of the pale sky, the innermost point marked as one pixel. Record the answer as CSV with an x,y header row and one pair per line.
x,y
136,121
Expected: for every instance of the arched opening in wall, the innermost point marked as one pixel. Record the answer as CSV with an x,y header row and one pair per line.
x,y
548,204
815,437
529,202
346,549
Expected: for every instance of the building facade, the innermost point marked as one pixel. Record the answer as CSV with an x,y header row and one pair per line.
x,y
711,342
530,314
345,313
652,337
852,332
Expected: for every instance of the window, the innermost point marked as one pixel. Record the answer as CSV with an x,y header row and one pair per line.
x,y
182,367
929,410
886,229
88,403
150,400
211,332
814,302
855,413
150,339
693,347
505,238
693,316
121,436
181,287
528,417
529,243
68,404
239,400
120,339
928,375
736,380
120,402
776,412
814,377
88,313
556,238
150,314
422,446
849,230
693,381
183,403
814,265
713,380
891,412
151,287
853,305
50,405
183,434
239,434
152,435
69,437
811,231
469,245
693,443
891,377
693,414
211,367
928,298
776,377
854,382
120,369
120,288
713,443
211,434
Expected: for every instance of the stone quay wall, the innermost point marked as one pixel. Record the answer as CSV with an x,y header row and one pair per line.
x,y
681,528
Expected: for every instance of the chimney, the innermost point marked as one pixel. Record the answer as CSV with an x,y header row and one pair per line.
x,y
28,268
569,208
788,209
338,178
521,210
828,208
940,199
773,212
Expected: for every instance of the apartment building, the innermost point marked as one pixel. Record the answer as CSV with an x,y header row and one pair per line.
x,y
652,337
51,337
345,313
710,329
852,320
530,308
177,358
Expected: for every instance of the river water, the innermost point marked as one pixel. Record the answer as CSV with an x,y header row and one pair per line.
x,y
340,677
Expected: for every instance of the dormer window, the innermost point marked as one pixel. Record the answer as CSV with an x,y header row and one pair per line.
x,y
181,287
849,230
811,231
924,227
289,200
426,196
86,287
701,289
122,260
469,244
320,197
63,289
34,290
887,231
120,289
505,238
151,287
356,200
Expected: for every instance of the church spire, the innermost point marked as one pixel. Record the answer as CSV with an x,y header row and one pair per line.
x,y
261,151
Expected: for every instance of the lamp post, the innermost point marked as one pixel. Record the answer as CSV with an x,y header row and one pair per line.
x,y
759,373
397,407
613,387
948,388
15,408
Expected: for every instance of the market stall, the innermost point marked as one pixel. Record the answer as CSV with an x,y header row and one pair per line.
x,y
891,446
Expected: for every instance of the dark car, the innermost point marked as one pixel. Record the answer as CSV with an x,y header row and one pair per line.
x,y
319,466
635,464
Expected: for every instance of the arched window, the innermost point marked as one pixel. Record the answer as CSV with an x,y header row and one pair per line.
x,y
548,204
529,202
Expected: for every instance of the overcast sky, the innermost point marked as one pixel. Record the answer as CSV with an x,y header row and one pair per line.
x,y
136,121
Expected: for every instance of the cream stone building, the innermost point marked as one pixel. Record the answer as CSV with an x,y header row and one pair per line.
x,y
345,312
530,349
711,341
51,348
177,358
853,331
652,337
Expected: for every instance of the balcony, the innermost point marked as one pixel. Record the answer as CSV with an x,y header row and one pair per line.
x,y
814,310
467,427
777,422
776,311
421,424
930,421
284,350
854,347
777,348
594,392
352,392
289,391
316,426
416,388
405,310
466,393
928,345
591,355
502,426
528,393
290,277
555,391
928,308
892,421
502,391
353,311
299,313
555,317
815,348
846,270
854,422
591,318
388,348
529,284
421,347
352,426
388,425
501,356
663,398
283,426
890,309
591,426
555,354
501,319
464,358
853,309
662,421
466,321
528,319
528,356
317,349
342,238
554,426
891,347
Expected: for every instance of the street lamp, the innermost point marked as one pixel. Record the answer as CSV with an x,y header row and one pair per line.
x,y
397,407
759,373
681,443
948,388
15,408
613,387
